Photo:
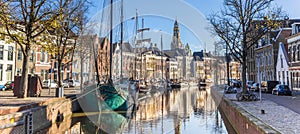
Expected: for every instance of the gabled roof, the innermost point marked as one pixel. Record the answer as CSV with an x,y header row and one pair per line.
x,y
176,52
285,54
199,56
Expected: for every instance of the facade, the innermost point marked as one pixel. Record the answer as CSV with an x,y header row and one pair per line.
x,y
83,66
171,69
266,54
42,64
220,73
204,64
103,57
7,61
234,70
294,54
282,66
19,61
274,38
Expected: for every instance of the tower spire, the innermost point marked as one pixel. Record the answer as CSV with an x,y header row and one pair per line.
x,y
176,42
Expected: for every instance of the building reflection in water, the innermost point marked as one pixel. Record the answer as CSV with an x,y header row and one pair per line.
x,y
187,110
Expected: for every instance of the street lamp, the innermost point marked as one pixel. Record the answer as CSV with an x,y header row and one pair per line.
x,y
259,76
50,71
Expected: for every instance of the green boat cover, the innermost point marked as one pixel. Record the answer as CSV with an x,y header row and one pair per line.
x,y
112,98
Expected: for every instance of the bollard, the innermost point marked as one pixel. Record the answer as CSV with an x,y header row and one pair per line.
x,y
59,92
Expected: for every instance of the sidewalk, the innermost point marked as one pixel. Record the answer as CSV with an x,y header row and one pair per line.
x,y
11,104
279,117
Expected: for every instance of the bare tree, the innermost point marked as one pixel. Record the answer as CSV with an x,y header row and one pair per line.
x,y
66,29
241,24
25,23
84,51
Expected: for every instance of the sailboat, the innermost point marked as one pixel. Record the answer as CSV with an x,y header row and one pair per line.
x,y
114,98
105,96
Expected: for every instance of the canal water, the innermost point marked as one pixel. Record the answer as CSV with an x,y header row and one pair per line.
x,y
185,110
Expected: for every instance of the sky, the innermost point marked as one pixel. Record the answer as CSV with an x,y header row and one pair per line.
x,y
159,16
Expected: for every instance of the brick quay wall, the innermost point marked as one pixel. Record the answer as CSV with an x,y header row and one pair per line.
x,y
40,116
242,121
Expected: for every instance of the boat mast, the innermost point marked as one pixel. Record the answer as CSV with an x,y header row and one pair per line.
x,y
122,19
162,62
111,34
135,48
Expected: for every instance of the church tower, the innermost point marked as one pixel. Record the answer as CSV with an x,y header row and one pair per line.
x,y
176,42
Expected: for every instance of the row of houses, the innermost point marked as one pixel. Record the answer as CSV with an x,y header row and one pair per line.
x,y
277,56
145,63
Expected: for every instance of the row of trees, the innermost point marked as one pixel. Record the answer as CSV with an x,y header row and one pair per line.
x,y
242,23
54,25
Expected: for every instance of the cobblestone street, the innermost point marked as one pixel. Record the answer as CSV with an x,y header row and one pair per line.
x,y
277,116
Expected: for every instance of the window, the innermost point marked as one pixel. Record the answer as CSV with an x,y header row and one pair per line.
x,y
42,55
10,53
20,54
283,76
281,61
19,71
294,53
9,67
298,53
287,78
290,53
46,75
1,52
9,72
1,71
32,56
46,57
279,75
42,74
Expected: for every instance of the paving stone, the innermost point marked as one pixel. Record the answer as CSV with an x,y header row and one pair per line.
x,y
279,117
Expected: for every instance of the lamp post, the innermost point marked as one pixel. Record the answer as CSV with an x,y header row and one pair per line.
x,y
259,79
51,70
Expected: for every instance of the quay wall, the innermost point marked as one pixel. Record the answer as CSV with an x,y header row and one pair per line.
x,y
52,111
242,121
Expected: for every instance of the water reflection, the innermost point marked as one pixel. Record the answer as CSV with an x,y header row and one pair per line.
x,y
187,110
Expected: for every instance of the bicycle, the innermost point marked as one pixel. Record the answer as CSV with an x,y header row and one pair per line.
x,y
248,96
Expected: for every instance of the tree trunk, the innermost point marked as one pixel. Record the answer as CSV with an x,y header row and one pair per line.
x,y
59,73
244,71
24,78
81,70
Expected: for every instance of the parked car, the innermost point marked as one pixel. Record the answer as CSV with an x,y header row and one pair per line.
x,y
65,84
48,84
9,85
255,87
235,83
267,86
74,83
282,89
249,84
2,87
230,89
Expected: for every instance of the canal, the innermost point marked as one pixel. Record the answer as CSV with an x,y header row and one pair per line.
x,y
185,110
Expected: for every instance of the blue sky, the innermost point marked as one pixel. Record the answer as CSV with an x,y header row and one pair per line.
x,y
159,16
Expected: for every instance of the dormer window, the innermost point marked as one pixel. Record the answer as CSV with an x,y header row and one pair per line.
x,y
295,28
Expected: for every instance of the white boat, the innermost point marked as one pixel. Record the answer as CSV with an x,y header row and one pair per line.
x,y
184,84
